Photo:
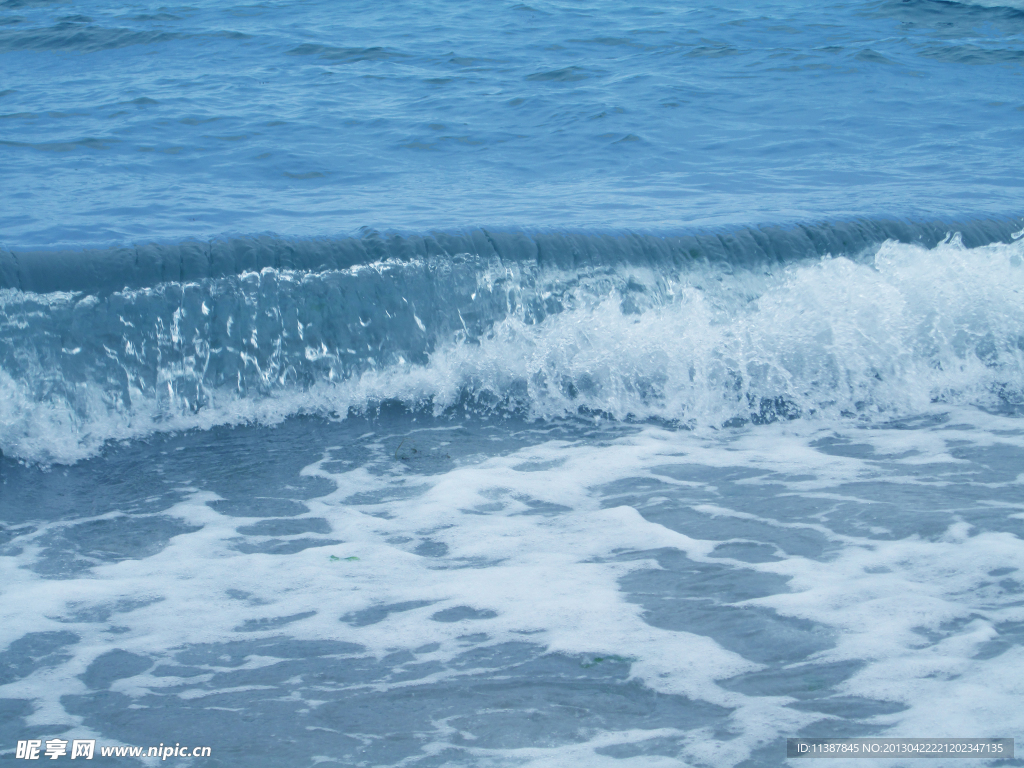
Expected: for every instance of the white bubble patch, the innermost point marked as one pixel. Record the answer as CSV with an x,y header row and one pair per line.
x,y
765,582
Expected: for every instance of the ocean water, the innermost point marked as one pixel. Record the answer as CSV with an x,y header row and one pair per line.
x,y
548,384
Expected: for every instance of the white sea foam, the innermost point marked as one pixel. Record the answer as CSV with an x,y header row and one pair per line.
x,y
912,610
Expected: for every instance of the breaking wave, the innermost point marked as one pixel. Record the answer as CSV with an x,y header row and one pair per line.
x,y
838,321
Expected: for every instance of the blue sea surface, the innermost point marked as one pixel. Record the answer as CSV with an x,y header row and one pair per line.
x,y
128,122
505,384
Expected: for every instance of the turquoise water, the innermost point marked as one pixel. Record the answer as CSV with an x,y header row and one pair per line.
x,y
510,385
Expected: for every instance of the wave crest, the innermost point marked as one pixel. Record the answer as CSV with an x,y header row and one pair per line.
x,y
706,343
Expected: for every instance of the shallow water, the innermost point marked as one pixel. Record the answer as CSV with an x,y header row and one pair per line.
x,y
424,592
